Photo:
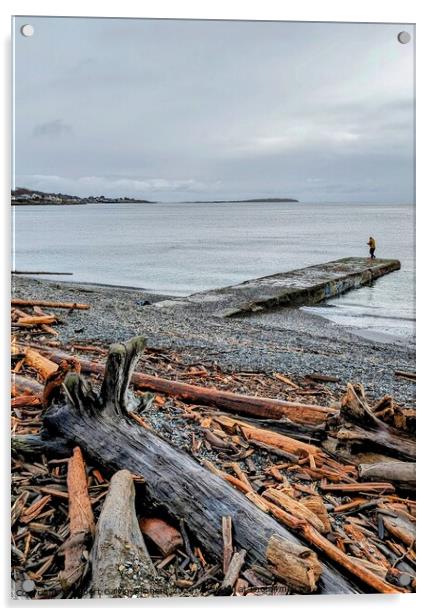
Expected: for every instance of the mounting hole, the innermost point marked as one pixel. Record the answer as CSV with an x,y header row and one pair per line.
x,y
404,37
27,30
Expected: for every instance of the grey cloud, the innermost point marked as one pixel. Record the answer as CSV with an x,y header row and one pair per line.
x,y
218,109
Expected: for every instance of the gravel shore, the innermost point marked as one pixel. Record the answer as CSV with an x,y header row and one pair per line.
x,y
303,345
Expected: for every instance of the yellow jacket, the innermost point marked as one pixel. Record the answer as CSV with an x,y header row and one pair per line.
x,y
371,243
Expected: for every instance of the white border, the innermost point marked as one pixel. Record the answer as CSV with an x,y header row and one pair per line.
x,y
410,11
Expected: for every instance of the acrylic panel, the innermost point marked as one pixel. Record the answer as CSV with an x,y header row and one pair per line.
x,y
213,321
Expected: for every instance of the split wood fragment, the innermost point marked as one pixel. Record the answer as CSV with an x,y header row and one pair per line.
x,y
227,541
232,573
165,537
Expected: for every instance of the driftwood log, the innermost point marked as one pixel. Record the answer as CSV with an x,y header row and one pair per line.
x,y
403,474
49,304
100,424
119,545
250,406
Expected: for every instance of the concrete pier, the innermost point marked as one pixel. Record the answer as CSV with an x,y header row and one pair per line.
x,y
305,286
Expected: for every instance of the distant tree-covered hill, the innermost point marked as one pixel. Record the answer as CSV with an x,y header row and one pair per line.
x,y
26,196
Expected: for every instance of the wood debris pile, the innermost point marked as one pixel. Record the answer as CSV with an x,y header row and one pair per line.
x,y
264,483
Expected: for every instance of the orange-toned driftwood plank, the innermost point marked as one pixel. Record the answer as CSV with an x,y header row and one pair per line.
x,y
81,521
41,364
37,320
269,437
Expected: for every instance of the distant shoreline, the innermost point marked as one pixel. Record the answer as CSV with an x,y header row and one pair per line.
x,y
114,202
26,196
270,200
135,201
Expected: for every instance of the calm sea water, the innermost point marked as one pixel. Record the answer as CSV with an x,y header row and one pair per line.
x,y
182,248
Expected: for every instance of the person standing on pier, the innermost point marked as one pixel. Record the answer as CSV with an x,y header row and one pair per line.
x,y
372,246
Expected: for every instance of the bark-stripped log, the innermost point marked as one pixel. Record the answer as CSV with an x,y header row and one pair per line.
x,y
118,541
403,474
269,437
293,506
48,319
100,424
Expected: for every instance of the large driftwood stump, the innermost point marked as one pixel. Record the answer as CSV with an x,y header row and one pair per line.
x,y
99,423
373,433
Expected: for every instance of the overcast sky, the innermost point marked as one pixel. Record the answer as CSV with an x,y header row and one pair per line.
x,y
190,110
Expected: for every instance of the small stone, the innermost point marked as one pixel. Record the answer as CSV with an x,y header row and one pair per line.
x,y
28,585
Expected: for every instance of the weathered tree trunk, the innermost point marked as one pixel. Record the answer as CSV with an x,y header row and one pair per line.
x,y
119,546
100,424
403,474
250,406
